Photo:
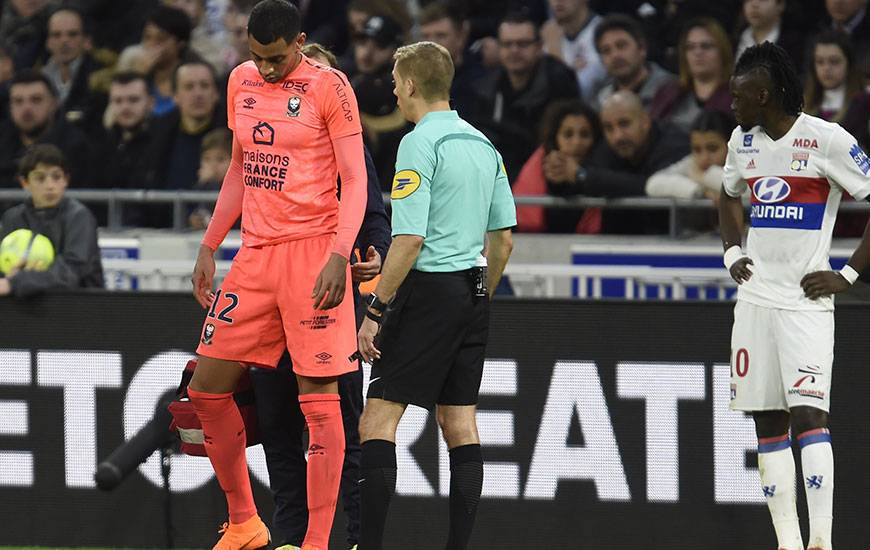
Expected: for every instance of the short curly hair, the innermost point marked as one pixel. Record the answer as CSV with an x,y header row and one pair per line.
x,y
41,153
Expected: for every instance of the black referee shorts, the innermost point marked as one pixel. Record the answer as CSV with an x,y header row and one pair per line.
x,y
432,342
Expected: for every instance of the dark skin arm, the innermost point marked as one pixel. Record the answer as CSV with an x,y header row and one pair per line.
x,y
731,228
825,283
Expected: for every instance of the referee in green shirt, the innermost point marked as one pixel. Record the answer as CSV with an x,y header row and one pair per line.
x,y
427,321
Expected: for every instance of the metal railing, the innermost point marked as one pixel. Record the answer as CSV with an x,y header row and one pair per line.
x,y
537,280
116,199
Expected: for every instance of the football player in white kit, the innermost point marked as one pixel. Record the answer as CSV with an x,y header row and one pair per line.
x,y
782,344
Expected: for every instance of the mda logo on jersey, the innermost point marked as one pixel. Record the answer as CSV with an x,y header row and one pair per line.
x,y
405,183
771,189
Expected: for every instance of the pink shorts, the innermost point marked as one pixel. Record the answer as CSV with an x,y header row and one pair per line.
x,y
264,306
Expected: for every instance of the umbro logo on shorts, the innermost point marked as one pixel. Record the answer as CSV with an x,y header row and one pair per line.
x,y
323,357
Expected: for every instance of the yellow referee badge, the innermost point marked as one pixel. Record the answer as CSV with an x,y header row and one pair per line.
x,y
405,182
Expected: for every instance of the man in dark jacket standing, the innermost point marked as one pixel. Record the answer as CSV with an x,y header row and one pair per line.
x,y
69,68
510,102
66,222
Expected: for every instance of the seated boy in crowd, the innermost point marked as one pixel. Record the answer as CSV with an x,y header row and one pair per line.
x,y
214,160
67,223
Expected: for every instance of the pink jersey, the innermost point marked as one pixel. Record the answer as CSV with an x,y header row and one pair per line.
x,y
286,131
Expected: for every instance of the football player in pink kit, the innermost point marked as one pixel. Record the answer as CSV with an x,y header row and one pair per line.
x,y
782,345
295,128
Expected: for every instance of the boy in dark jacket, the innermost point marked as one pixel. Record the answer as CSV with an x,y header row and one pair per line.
x,y
67,223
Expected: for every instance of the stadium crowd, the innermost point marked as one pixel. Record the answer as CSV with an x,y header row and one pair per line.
x,y
624,98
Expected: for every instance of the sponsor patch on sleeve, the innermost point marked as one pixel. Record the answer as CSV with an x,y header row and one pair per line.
x,y
860,158
405,182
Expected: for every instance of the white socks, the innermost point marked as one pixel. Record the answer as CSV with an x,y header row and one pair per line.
x,y
777,469
817,458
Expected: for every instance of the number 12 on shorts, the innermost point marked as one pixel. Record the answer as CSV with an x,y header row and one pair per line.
x,y
224,314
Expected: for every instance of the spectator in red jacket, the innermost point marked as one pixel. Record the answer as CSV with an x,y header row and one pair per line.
x,y
705,68
570,132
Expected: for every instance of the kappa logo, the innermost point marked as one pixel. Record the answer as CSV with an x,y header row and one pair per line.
x,y
264,134
208,334
249,102
771,189
293,105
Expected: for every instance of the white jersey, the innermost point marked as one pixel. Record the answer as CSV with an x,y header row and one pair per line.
x,y
797,182
580,54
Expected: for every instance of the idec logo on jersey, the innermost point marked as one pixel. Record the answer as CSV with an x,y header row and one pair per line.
x,y
771,189
805,143
789,203
297,86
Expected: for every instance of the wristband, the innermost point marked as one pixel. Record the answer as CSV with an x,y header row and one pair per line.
x,y
376,318
733,254
375,303
849,273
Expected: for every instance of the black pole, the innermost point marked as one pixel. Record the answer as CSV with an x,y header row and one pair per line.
x,y
165,469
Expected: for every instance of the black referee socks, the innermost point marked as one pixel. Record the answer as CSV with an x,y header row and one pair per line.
x,y
377,483
466,483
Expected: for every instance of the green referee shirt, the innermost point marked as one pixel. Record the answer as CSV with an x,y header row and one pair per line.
x,y
450,188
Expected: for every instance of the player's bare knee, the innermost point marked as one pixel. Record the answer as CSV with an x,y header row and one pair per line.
x,y
771,423
379,421
215,375
804,419
458,426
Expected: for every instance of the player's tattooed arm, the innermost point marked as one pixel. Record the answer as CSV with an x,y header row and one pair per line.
x,y
731,216
825,283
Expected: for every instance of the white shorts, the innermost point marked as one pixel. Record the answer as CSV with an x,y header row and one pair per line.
x,y
781,358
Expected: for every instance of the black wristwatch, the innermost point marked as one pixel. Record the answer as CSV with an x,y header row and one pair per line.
x,y
375,303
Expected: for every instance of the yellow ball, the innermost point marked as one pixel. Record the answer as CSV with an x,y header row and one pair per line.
x,y
35,252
